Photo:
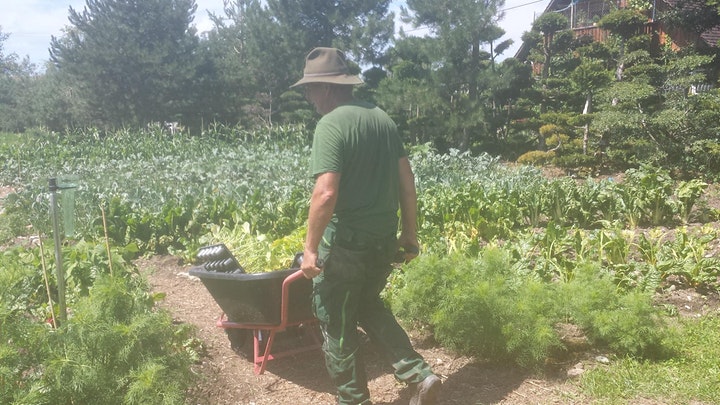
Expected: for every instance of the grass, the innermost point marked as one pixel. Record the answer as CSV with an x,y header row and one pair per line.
x,y
692,377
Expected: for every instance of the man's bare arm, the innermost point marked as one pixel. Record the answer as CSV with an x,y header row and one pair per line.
x,y
322,206
408,210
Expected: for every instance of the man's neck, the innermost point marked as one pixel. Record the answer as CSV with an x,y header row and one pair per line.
x,y
339,100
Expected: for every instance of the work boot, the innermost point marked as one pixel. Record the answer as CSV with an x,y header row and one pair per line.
x,y
426,391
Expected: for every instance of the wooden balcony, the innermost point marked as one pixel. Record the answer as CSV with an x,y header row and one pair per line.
x,y
600,35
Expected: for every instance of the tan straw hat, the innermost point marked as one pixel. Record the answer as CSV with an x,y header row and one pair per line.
x,y
327,65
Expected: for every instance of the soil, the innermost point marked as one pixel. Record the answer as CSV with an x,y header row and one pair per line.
x,y
226,376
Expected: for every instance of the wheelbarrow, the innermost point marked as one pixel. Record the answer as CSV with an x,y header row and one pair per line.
x,y
264,303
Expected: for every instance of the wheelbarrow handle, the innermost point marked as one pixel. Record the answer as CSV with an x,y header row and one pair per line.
x,y
293,277
286,296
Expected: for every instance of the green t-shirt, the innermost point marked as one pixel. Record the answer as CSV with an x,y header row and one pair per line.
x,y
360,141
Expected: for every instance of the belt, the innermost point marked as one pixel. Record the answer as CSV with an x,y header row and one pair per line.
x,y
349,239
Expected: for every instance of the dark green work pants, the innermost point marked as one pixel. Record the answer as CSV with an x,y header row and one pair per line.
x,y
347,294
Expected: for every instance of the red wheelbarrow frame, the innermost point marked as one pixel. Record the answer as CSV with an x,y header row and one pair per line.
x,y
259,359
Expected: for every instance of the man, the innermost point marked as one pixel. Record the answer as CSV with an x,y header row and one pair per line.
x,y
362,174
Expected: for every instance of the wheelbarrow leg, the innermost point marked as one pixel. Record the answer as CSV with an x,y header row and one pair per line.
x,y
261,361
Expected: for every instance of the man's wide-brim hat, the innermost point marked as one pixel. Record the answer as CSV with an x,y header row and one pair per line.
x,y
327,65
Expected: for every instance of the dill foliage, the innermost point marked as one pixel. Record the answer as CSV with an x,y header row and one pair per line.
x,y
490,308
116,347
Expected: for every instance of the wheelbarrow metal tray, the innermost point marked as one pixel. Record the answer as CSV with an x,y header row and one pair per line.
x,y
256,298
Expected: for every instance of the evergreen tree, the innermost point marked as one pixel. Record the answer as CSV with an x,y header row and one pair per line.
x,y
551,45
589,78
257,50
624,24
506,86
462,28
362,28
129,61
55,104
16,77
229,77
549,24
411,94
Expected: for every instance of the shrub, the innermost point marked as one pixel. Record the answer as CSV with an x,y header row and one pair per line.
x,y
23,343
633,153
703,158
536,158
430,277
557,140
116,349
578,161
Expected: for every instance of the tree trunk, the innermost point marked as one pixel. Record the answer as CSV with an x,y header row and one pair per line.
x,y
586,131
474,68
621,62
547,52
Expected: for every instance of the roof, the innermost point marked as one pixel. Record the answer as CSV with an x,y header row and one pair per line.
x,y
711,36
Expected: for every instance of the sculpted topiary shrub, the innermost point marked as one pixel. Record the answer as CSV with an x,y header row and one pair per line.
x,y
536,158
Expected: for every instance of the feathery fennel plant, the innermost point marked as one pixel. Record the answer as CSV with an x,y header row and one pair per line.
x,y
499,310
115,347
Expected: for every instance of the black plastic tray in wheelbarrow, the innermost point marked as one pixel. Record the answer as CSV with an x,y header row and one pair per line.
x,y
256,298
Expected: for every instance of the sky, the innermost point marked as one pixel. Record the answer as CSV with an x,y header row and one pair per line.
x,y
31,23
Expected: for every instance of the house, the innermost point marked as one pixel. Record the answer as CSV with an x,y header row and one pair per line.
x,y
584,14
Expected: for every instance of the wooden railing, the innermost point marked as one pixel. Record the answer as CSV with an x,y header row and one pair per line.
x,y
600,35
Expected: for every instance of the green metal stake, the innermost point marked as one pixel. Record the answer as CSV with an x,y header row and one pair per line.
x,y
60,274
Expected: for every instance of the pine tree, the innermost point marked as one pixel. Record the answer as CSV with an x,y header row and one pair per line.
x,y
129,62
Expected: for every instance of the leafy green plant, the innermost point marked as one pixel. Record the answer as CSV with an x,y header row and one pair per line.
x,y
508,254
614,245
162,192
687,256
647,193
84,262
531,200
257,252
554,247
688,193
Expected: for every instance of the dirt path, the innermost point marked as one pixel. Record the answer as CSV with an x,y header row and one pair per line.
x,y
224,377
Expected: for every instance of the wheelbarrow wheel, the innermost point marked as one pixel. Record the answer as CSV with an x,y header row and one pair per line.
x,y
238,341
